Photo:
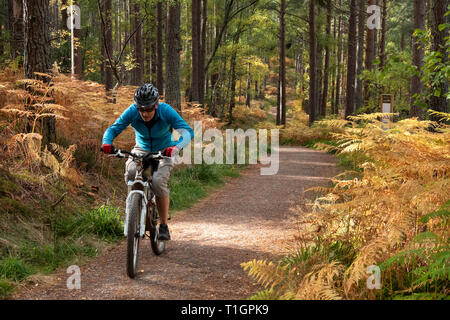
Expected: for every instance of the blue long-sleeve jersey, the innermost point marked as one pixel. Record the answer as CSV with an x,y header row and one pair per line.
x,y
153,135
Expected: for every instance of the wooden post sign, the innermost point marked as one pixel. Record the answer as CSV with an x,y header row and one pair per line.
x,y
386,106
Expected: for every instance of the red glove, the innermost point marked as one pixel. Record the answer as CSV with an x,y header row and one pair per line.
x,y
170,151
107,148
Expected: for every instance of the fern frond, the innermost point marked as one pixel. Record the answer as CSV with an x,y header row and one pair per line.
x,y
267,273
443,115
322,283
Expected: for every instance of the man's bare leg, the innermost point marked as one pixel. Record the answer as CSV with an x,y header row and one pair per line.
x,y
163,209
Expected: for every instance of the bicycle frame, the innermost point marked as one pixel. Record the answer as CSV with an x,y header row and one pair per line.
x,y
143,211
137,186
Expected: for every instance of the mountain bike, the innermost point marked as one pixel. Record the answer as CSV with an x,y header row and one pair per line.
x,y
141,214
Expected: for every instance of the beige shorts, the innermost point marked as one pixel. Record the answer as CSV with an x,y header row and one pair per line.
x,y
160,177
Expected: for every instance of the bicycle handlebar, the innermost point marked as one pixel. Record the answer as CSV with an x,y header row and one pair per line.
x,y
150,155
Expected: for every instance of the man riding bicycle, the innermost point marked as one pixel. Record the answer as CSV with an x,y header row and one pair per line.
x,y
152,123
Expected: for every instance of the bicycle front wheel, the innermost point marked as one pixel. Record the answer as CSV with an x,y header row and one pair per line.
x,y
133,237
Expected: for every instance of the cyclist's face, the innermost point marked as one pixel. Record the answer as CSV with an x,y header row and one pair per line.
x,y
148,115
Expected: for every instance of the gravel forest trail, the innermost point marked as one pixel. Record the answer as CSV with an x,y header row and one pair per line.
x,y
249,218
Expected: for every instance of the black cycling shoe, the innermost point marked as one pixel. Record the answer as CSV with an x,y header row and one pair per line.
x,y
164,234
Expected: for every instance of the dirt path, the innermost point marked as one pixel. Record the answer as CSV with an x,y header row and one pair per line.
x,y
247,219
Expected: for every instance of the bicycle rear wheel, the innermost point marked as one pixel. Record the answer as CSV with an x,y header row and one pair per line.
x,y
133,237
158,246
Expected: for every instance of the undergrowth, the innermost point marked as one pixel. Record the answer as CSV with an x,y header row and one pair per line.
x,y
52,196
391,212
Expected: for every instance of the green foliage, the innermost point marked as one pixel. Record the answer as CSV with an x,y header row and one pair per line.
x,y
104,221
427,257
436,69
47,257
393,78
268,294
14,269
6,288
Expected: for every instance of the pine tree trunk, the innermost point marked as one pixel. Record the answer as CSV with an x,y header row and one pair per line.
x,y
153,50
195,87
232,86
361,31
312,63
323,104
202,53
282,71
173,49
333,75
417,58
78,63
383,35
10,15
108,44
319,68
63,11
370,50
159,50
138,51
351,69
17,31
37,39
249,82
339,66
439,8
117,27
37,53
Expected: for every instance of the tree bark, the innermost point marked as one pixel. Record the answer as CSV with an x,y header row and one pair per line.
x,y
202,53
312,63
159,50
439,8
333,75
319,67
383,35
282,71
351,69
370,50
37,53
63,11
232,86
233,74
323,104
153,54
361,31
37,40
417,59
339,66
77,50
138,49
249,82
17,31
173,49
108,43
370,43
195,86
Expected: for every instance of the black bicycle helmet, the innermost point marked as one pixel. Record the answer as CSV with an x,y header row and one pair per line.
x,y
146,96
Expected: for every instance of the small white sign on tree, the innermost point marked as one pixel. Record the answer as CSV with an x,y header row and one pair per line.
x,y
386,106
